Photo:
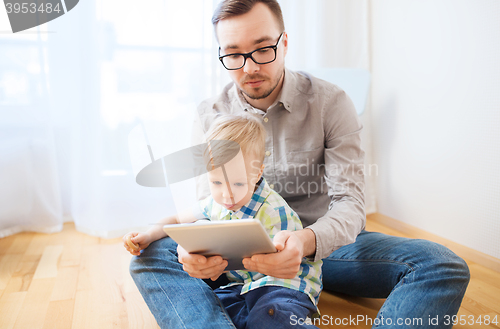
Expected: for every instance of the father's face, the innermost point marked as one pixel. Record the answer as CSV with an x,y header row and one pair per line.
x,y
242,34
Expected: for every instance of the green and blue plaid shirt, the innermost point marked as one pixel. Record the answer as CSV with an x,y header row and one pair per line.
x,y
275,215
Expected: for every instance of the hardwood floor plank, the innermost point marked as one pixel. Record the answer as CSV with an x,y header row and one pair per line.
x,y
10,306
472,320
20,243
35,305
59,314
8,265
5,244
86,311
139,316
128,282
93,312
111,273
21,278
68,236
87,285
72,240
18,284
373,226
71,255
38,243
485,274
66,283
482,298
90,240
47,267
88,278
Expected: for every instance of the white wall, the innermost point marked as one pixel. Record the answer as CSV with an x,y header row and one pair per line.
x,y
436,116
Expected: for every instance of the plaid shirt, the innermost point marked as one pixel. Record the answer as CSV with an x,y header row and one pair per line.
x,y
275,215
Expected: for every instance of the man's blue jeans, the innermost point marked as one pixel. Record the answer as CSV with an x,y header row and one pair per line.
x,y
420,279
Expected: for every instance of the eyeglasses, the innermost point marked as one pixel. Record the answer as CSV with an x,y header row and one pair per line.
x,y
262,55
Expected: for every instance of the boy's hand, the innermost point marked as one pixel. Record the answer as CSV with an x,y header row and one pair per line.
x,y
201,267
134,242
284,264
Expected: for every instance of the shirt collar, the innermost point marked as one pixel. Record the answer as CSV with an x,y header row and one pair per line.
x,y
250,209
289,90
285,97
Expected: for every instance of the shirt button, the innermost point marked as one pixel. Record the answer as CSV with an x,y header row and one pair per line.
x,y
271,186
270,312
268,153
266,119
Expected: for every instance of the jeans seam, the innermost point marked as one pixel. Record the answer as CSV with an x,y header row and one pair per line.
x,y
462,293
398,286
412,267
223,310
164,292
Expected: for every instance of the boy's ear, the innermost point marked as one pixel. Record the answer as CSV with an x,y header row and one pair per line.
x,y
259,175
261,171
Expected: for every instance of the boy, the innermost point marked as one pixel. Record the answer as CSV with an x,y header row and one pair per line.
x,y
239,191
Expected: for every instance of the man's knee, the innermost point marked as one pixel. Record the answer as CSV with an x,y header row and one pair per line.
x,y
444,263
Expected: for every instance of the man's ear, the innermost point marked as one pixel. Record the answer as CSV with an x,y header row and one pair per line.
x,y
285,42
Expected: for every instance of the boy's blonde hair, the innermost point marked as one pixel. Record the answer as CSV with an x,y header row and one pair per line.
x,y
244,128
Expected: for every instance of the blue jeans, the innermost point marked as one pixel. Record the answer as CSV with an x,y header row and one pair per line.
x,y
267,307
419,278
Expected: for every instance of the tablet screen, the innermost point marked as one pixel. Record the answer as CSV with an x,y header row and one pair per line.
x,y
232,239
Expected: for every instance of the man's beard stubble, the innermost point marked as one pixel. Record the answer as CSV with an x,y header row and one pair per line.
x,y
266,93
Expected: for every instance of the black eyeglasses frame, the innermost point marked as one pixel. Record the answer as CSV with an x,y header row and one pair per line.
x,y
249,55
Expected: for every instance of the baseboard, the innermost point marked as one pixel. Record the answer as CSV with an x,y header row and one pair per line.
x,y
466,253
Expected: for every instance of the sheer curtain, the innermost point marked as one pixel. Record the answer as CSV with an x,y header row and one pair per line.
x,y
74,91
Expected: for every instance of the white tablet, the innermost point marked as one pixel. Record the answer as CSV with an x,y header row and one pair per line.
x,y
231,239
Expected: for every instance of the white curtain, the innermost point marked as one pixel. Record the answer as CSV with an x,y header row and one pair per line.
x,y
73,92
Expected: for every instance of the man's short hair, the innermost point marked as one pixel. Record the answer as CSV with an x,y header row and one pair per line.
x,y
244,128
232,8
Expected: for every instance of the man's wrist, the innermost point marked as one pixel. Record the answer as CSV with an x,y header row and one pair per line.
x,y
308,239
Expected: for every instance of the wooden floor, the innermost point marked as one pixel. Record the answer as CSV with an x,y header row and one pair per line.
x,y
72,280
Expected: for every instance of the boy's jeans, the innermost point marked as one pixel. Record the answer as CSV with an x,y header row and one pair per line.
x,y
421,280
267,307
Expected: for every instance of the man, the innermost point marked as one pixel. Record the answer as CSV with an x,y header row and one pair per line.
x,y
314,161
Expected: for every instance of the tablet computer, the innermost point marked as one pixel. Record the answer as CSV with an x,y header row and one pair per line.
x,y
231,239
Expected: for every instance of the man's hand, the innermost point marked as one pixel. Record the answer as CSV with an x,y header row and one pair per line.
x,y
201,267
285,264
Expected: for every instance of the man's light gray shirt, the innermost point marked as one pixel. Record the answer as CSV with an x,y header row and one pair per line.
x,y
313,155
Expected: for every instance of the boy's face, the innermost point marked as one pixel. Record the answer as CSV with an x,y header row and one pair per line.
x,y
233,184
